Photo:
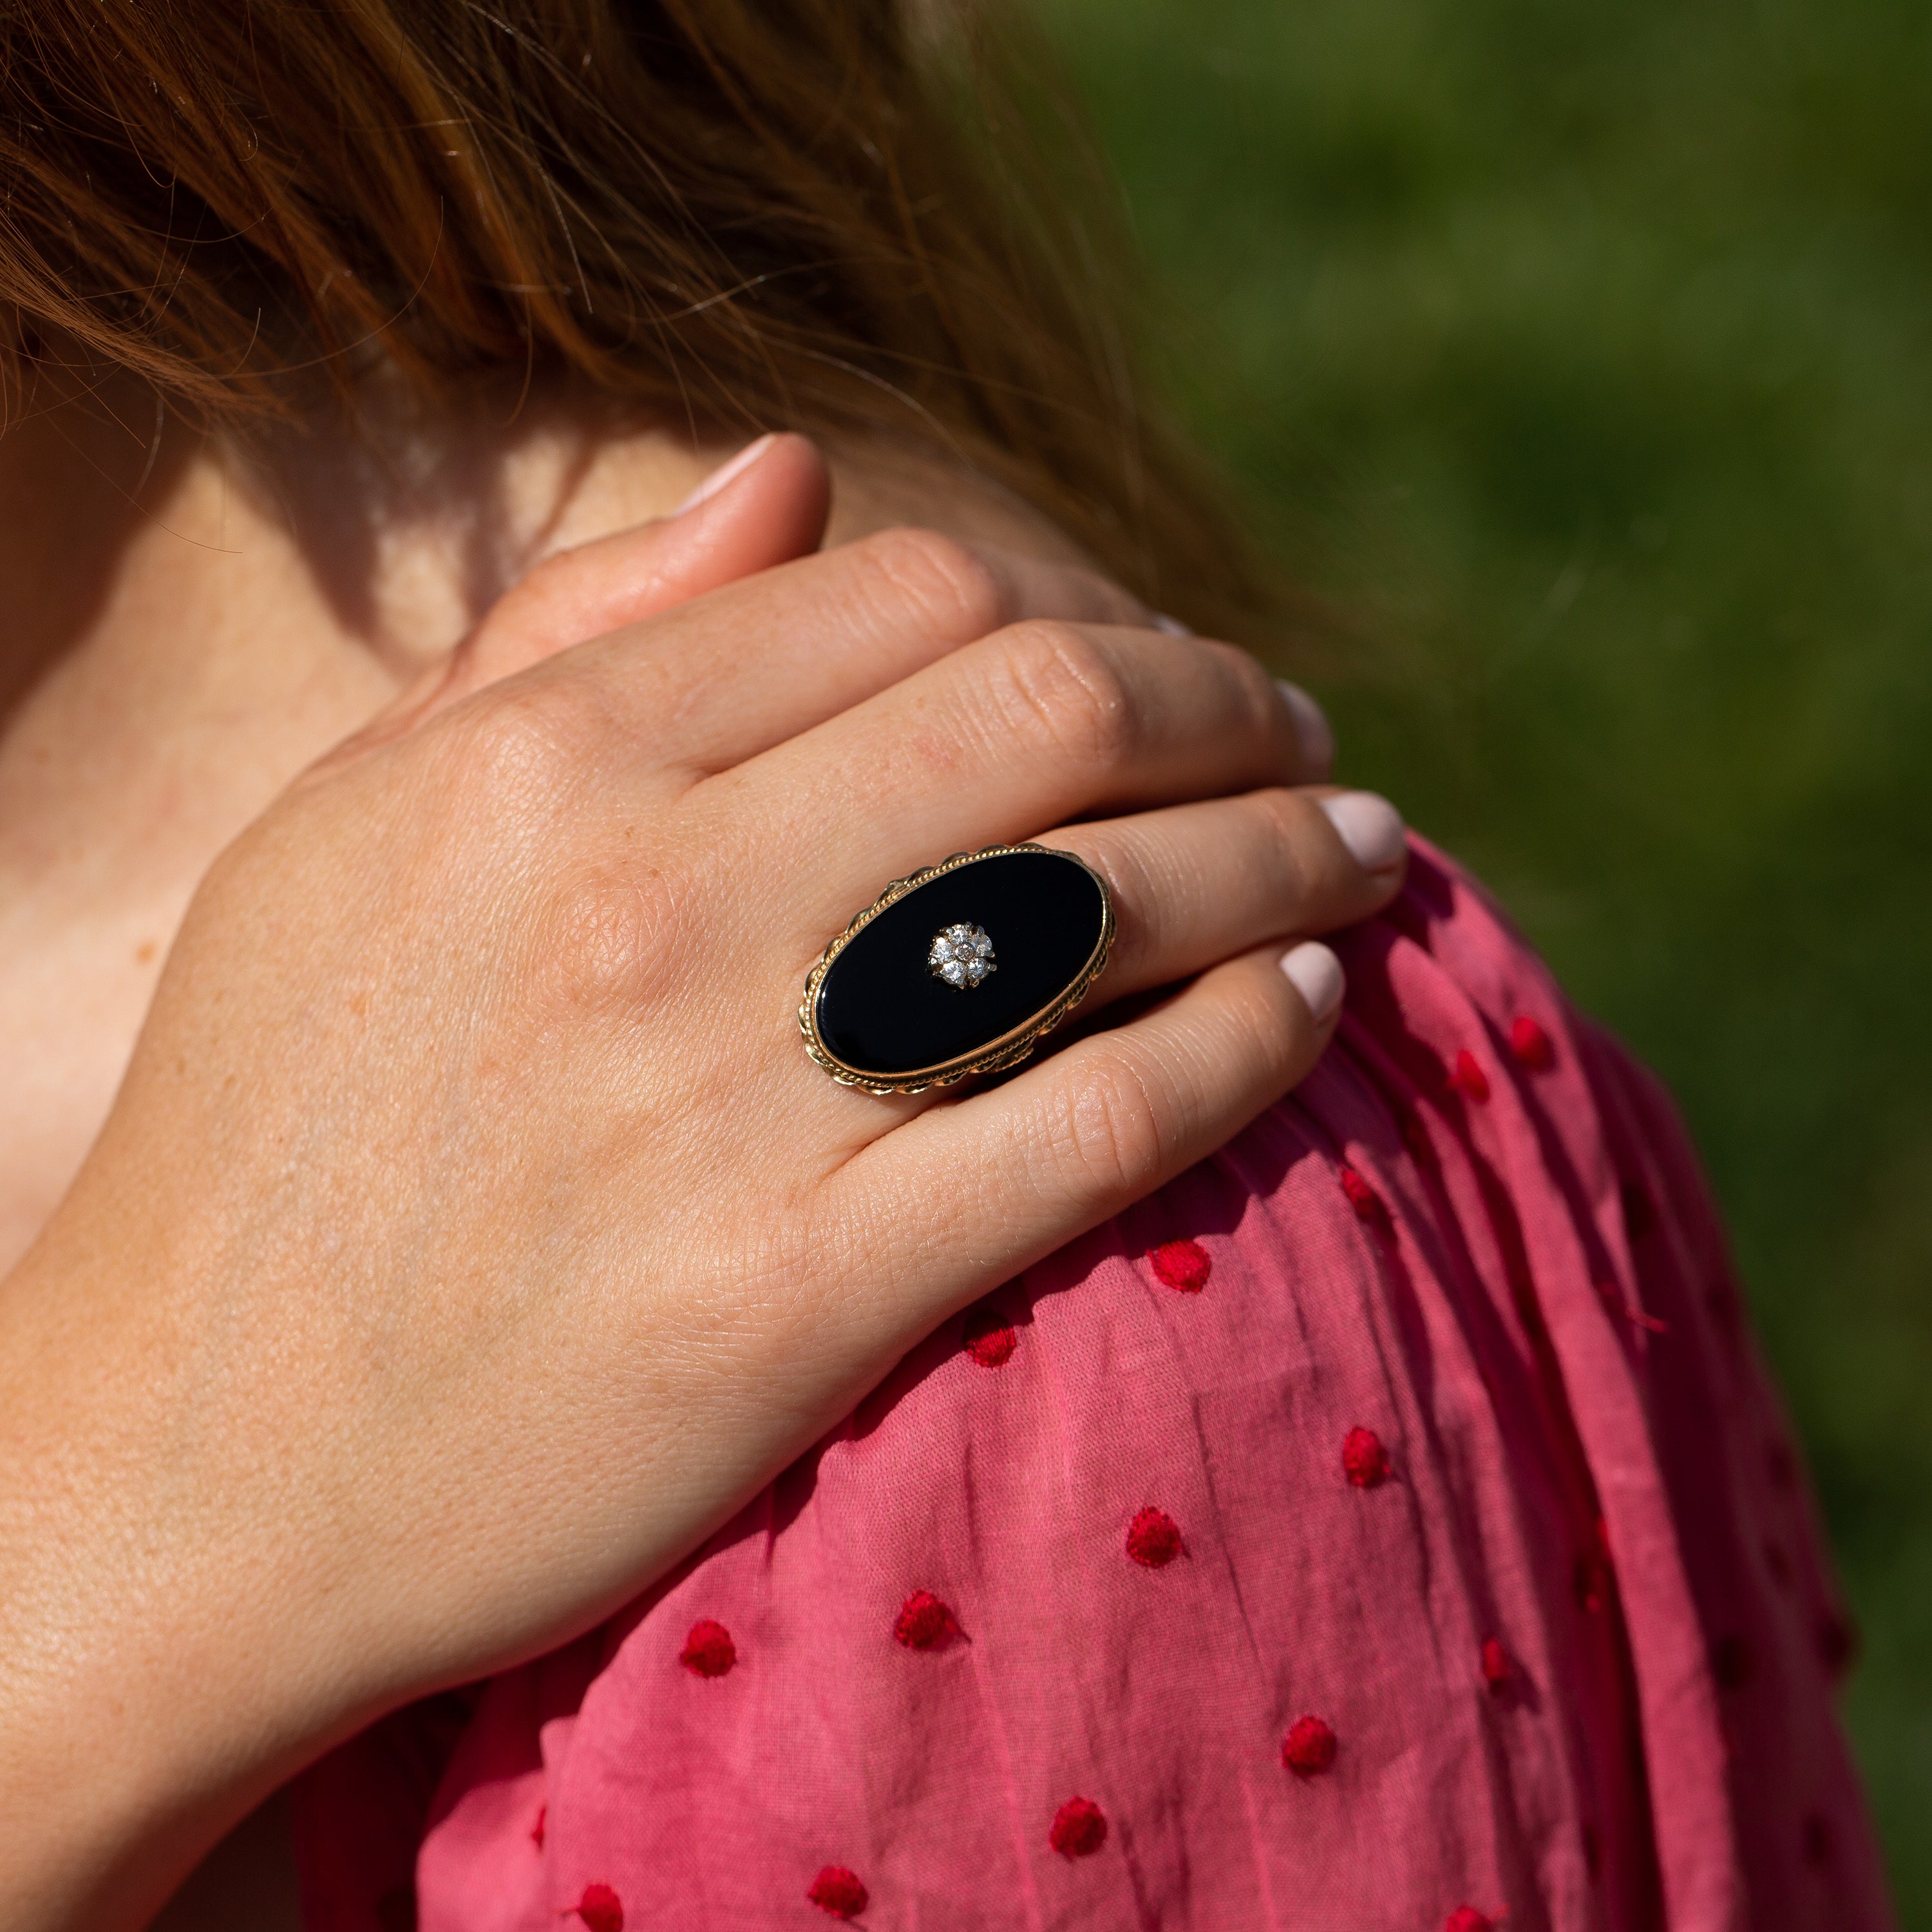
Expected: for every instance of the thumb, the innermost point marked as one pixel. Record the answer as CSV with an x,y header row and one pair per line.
x,y
764,507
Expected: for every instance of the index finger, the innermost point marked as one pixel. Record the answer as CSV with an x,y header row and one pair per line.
x,y
730,674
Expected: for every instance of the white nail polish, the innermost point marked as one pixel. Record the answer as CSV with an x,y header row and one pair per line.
x,y
1316,974
726,472
1370,826
1312,727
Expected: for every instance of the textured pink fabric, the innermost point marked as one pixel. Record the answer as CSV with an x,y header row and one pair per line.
x,y
1496,1591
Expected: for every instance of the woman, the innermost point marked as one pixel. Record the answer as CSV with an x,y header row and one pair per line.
x,y
470,1253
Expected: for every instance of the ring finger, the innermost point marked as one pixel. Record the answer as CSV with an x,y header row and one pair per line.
x,y
1034,726
1194,885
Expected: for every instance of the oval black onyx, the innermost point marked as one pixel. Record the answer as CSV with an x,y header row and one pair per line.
x,y
883,1016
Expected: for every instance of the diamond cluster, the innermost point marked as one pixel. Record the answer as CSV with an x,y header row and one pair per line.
x,y
962,955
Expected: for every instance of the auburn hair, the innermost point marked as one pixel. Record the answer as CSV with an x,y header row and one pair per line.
x,y
858,218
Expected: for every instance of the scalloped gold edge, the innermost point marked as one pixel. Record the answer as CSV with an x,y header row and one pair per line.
x,y
1010,1049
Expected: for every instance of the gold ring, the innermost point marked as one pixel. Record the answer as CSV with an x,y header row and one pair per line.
x,y
959,969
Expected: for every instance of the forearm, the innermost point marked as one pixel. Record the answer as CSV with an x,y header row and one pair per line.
x,y
148,1697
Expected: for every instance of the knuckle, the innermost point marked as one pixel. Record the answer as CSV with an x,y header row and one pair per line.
x,y
937,582
608,936
1111,1131
1062,690
1144,897
521,742
1291,854
1250,693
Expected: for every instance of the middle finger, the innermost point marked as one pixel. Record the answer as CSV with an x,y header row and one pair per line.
x,y
1038,725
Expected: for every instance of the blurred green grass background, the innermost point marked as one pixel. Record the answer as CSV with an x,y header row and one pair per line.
x,y
1585,353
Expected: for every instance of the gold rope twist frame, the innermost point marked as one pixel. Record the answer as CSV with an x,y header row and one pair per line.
x,y
1010,1048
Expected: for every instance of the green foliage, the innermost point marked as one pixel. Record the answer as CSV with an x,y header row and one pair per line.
x,y
1584,354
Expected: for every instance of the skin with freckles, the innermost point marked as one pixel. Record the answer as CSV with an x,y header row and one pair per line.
x,y
346,1259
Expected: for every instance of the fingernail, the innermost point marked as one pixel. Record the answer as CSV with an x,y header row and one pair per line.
x,y
1173,626
724,473
1370,826
1312,727
1317,976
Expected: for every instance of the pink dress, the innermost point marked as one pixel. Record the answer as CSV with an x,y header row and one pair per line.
x,y
1386,1525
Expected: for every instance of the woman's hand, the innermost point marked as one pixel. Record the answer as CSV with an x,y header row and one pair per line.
x,y
472,1234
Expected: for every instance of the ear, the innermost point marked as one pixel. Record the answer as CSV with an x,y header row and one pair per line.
x,y
764,507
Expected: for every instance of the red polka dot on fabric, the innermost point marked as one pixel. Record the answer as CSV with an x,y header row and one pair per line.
x,y
836,1890
1467,1077
990,1338
1612,1298
924,1623
1497,1668
708,1651
1183,1266
1079,1830
1532,1046
1364,1198
1467,1918
1364,1461
601,1909
1153,1539
537,1829
1415,1132
1309,1749
1591,1581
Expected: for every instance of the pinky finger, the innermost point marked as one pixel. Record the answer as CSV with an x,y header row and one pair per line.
x,y
1103,1123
